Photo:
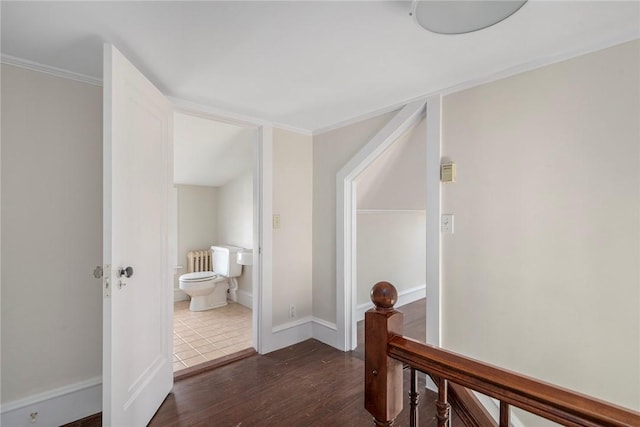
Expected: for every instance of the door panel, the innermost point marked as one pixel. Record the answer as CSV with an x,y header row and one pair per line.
x,y
137,310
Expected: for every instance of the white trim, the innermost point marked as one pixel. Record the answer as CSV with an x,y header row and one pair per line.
x,y
302,329
324,331
434,201
263,268
409,116
390,211
56,407
290,333
194,107
324,323
48,69
290,325
467,84
404,297
262,199
538,63
245,298
487,78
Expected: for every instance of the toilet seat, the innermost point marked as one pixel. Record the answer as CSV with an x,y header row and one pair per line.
x,y
200,276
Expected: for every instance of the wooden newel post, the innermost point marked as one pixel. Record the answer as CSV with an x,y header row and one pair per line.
x,y
383,375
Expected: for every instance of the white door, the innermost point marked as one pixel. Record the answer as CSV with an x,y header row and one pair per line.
x,y
137,371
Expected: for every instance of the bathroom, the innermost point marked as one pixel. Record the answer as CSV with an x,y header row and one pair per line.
x,y
214,199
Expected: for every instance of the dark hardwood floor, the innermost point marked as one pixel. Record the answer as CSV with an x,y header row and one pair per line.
x,y
308,384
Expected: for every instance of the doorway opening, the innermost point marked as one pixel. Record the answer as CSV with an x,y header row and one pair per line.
x,y
390,223
346,213
215,201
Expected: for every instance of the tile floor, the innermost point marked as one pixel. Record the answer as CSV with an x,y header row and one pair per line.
x,y
201,336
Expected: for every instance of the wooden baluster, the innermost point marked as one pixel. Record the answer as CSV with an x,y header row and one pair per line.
x,y
414,397
443,409
383,375
504,414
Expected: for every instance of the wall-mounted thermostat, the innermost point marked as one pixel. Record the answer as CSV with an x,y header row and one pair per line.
x,y
448,172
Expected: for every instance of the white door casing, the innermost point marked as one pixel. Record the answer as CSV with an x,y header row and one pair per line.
x,y
346,218
137,311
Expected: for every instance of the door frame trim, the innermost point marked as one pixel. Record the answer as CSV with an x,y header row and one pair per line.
x,y
262,199
346,218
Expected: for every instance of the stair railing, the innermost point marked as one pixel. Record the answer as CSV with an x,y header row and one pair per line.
x,y
387,350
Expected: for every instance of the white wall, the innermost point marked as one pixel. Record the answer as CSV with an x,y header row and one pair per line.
x,y
51,233
292,244
396,179
541,275
197,222
391,247
235,224
331,151
391,222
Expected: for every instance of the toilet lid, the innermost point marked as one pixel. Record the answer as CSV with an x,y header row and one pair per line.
x,y
199,276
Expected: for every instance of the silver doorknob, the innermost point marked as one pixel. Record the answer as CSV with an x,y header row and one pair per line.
x,y
126,272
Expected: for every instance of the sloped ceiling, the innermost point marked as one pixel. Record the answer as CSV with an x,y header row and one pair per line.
x,y
307,65
396,179
208,152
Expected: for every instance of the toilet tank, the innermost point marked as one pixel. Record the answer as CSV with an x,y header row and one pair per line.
x,y
224,260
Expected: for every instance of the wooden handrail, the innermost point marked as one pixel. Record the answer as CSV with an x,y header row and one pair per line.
x,y
547,400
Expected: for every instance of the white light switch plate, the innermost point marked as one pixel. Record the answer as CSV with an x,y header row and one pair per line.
x,y
446,224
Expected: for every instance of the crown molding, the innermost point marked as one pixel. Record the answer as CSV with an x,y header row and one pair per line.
x,y
246,119
541,62
48,69
488,78
212,112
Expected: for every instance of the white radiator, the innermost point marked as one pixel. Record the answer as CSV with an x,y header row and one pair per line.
x,y
199,260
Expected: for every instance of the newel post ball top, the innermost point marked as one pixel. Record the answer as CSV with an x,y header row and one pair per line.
x,y
384,296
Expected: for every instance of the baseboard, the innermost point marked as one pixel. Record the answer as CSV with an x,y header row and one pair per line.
x,y
245,298
55,407
404,297
294,332
324,331
178,295
289,333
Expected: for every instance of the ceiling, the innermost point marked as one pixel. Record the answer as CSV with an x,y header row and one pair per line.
x,y
208,152
306,65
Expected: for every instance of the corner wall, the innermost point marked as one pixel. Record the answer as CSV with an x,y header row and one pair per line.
x,y
541,275
331,151
51,241
391,221
235,225
292,246
197,223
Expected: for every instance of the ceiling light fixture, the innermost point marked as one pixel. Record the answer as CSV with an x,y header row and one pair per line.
x,y
462,16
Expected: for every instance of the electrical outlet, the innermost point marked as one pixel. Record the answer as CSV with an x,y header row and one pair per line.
x,y
292,311
446,224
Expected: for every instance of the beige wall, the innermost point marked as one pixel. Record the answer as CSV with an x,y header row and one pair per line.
x,y
235,220
51,232
541,275
292,248
331,151
396,179
197,221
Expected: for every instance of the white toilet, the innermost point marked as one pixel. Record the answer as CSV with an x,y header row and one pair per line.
x,y
208,289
